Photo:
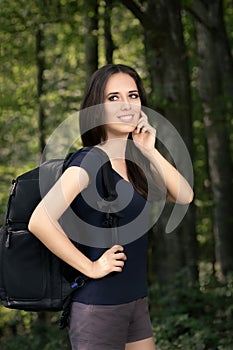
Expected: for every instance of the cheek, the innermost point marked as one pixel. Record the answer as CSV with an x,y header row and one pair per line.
x,y
136,106
110,110
137,110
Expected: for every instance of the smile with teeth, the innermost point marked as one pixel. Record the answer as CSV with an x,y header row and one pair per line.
x,y
126,118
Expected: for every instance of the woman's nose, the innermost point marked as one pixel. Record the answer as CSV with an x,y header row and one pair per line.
x,y
125,104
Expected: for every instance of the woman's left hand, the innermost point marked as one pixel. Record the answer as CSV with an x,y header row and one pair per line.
x,y
144,134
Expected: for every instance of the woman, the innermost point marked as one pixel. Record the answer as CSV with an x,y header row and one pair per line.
x,y
110,312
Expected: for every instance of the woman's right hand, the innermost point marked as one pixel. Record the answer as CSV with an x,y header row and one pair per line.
x,y
112,260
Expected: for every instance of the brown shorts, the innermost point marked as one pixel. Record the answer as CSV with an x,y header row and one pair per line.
x,y
109,327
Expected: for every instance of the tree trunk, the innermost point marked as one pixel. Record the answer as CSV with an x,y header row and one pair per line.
x,y
167,64
40,60
213,82
91,37
108,41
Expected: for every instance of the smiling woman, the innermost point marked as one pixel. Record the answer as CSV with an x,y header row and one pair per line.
x,y
122,105
111,311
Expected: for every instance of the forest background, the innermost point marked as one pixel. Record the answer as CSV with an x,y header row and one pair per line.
x,y
182,50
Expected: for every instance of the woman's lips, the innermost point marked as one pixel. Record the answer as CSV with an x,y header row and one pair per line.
x,y
126,118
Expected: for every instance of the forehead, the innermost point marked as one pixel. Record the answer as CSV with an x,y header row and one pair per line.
x,y
120,82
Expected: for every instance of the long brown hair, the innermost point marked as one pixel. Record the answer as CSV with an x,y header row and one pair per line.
x,y
92,127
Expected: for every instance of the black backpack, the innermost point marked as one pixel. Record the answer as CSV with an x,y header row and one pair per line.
x,y
31,276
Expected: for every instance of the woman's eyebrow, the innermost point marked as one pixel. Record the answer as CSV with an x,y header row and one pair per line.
x,y
113,93
116,92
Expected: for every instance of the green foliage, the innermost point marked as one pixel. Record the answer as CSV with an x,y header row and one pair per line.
x,y
190,318
187,318
26,329
183,318
126,48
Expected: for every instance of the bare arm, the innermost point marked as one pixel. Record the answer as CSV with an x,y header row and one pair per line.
x,y
45,226
178,189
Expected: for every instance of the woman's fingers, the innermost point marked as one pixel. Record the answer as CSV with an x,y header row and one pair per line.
x,y
117,254
120,256
143,125
112,260
142,122
117,248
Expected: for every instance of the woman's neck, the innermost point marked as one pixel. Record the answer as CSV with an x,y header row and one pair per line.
x,y
115,148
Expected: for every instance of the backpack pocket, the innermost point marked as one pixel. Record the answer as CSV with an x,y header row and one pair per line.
x,y
24,270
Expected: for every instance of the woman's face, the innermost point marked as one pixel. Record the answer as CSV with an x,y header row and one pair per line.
x,y
122,105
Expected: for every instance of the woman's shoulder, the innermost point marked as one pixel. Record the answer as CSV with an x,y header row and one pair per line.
x,y
80,152
88,158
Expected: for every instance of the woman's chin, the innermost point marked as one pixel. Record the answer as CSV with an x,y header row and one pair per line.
x,y
120,129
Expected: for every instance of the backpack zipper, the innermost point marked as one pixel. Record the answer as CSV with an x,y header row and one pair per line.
x,y
8,240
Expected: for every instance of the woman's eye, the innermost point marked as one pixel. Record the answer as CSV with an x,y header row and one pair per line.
x,y
113,98
134,96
